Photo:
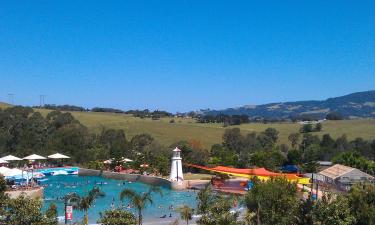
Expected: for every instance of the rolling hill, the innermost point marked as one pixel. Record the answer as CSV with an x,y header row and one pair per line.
x,y
355,105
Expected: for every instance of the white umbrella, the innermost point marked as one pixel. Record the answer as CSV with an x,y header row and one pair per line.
x,y
4,169
2,161
13,172
34,157
108,161
10,158
58,156
126,160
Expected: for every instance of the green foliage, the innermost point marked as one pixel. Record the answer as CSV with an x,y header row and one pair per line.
x,y
307,128
95,165
334,211
294,139
84,203
268,159
51,214
273,202
140,201
117,217
354,159
186,213
215,208
24,211
294,157
362,203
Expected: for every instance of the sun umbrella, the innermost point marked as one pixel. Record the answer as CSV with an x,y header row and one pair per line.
x,y
58,156
10,158
108,161
13,172
126,160
34,157
4,169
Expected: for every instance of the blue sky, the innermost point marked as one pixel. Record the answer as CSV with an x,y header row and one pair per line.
x,y
184,55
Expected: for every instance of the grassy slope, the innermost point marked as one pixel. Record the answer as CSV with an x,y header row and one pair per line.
x,y
208,134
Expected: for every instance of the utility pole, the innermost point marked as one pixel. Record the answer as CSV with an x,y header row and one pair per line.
x,y
11,98
41,100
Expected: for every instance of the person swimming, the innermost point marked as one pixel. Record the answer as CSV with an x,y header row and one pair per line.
x,y
164,216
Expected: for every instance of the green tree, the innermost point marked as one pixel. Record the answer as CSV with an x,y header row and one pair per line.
x,y
24,211
117,217
139,200
294,157
307,128
272,133
305,212
318,127
85,203
233,140
218,211
334,211
362,203
268,159
294,139
186,213
273,202
51,214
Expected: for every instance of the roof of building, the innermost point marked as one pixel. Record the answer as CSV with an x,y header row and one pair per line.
x,y
336,171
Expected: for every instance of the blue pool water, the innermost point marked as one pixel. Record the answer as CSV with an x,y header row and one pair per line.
x,y
58,186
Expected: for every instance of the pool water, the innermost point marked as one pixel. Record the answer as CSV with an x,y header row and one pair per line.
x,y
57,187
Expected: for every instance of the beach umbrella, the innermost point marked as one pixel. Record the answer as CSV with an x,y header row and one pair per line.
x,y
58,156
10,158
3,170
13,172
2,161
108,161
126,160
34,157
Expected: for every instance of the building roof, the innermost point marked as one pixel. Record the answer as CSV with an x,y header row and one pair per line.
x,y
336,171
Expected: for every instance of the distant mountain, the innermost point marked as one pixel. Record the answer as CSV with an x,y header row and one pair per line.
x,y
356,105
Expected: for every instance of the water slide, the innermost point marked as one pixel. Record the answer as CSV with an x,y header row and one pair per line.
x,y
260,173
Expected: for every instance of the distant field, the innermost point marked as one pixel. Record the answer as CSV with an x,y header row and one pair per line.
x,y
186,129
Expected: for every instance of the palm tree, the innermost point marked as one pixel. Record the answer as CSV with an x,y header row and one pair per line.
x,y
84,203
186,213
139,200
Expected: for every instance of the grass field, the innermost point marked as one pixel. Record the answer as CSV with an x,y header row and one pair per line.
x,y
208,134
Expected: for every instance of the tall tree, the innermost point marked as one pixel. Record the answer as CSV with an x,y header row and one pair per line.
x,y
117,217
362,203
294,139
273,201
139,200
186,213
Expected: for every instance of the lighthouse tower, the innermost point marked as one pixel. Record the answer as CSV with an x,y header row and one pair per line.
x,y
176,166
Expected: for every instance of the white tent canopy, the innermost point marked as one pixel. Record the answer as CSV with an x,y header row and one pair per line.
x,y
10,158
3,161
34,157
126,160
13,172
58,156
4,169
109,161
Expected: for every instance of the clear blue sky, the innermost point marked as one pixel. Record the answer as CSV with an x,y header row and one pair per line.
x,y
184,55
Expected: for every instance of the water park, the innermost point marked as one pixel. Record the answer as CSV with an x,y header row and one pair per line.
x,y
50,179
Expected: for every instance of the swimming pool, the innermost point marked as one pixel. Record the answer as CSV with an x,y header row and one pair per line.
x,y
58,186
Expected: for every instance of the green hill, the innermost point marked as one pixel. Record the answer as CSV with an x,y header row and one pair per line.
x,y
208,134
355,105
